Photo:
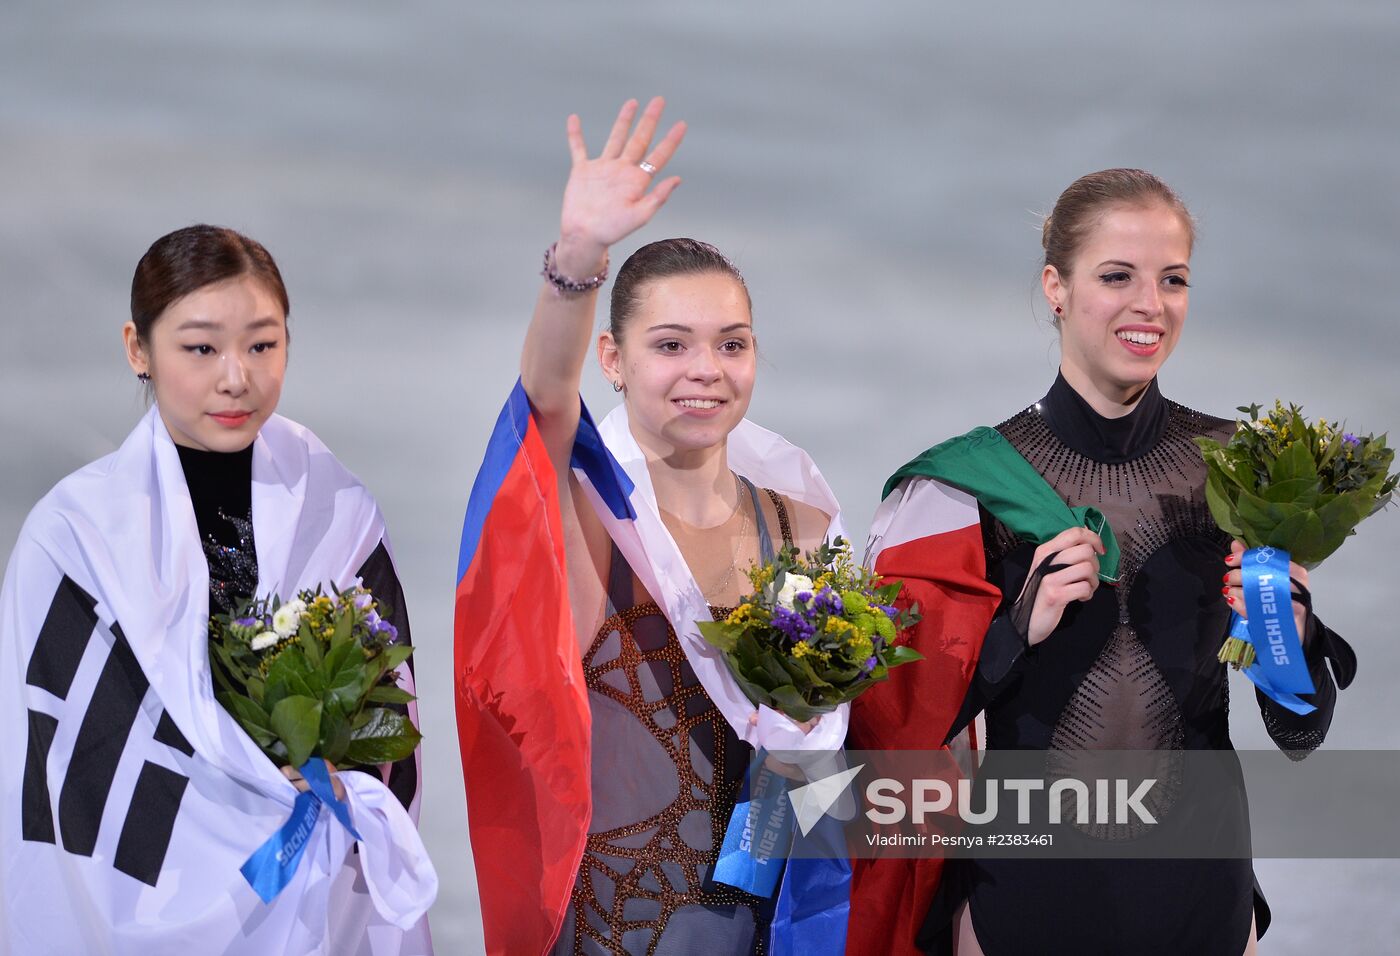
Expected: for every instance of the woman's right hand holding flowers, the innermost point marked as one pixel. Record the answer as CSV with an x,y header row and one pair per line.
x,y
1073,575
615,193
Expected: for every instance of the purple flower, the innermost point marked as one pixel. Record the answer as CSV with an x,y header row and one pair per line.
x,y
363,600
384,627
890,610
870,663
1350,439
372,620
793,625
247,622
829,601
804,596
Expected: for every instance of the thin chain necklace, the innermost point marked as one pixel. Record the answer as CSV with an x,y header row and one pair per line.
x,y
718,587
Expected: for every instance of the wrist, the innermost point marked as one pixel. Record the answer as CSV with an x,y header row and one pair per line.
x,y
579,257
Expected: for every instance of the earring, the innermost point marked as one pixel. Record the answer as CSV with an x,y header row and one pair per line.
x,y
143,377
617,386
1058,310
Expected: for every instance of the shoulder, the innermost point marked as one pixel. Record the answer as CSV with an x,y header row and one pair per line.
x,y
808,523
1189,422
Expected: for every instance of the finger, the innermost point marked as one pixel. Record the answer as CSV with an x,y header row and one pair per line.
x,y
578,152
1079,554
1237,548
1234,596
1077,591
665,149
1068,538
660,193
618,136
1233,579
640,139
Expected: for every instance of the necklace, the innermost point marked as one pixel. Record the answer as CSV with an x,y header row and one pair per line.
x,y
719,586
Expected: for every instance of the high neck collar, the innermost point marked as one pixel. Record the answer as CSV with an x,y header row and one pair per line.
x,y
1105,440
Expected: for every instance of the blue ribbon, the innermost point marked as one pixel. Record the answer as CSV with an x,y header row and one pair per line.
x,y
814,902
1279,669
270,868
758,835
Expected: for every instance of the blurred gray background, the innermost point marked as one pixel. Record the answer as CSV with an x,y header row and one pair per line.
x,y
878,171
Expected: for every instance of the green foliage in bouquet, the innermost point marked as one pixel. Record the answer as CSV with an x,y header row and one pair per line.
x,y
314,677
815,633
1284,482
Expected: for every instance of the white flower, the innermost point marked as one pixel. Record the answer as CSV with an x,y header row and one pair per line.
x,y
265,640
288,618
792,585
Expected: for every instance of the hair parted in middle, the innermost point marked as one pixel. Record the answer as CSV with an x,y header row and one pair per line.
x,y
661,260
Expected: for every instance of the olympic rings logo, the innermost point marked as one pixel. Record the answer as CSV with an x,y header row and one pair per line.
x,y
1264,555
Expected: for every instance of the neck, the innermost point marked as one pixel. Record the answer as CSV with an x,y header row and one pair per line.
x,y
693,484
1109,400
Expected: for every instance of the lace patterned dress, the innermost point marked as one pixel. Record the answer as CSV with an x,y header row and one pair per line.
x,y
667,770
1134,668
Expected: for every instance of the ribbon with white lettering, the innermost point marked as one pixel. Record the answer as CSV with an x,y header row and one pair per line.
x,y
1279,669
270,868
760,830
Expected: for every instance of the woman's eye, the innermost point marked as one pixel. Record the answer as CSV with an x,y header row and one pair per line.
x,y
670,345
1178,281
734,345
200,349
262,347
1114,278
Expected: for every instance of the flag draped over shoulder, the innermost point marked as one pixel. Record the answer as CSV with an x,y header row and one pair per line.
x,y
132,796
927,533
522,706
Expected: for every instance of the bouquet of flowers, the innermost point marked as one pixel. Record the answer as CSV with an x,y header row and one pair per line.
x,y
1283,482
814,633
314,677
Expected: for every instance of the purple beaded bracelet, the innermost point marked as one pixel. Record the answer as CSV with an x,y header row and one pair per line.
x,y
564,283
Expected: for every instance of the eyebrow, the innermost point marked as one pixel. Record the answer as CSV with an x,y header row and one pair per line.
x,y
685,328
1178,267
212,324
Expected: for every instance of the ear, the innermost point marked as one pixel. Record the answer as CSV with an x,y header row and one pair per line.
x,y
610,358
135,352
1056,290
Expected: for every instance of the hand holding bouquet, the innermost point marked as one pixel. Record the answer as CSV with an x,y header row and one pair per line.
x,y
314,677
1285,483
814,634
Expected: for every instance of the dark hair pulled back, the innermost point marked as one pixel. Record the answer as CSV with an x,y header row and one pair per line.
x,y
1088,198
191,258
662,260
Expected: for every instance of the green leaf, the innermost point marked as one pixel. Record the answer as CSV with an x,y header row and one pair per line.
x,y
790,703
342,632
335,736
902,654
343,672
296,721
1295,462
385,738
719,634
389,694
310,644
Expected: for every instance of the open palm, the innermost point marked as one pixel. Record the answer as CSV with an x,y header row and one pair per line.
x,y
610,196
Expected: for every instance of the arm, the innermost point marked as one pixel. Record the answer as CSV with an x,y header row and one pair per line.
x,y
606,199
1299,734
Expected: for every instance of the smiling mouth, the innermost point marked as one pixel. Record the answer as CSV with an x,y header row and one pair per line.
x,y
1140,338
701,403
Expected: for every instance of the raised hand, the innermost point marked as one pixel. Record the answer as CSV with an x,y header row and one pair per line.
x,y
613,194
1076,551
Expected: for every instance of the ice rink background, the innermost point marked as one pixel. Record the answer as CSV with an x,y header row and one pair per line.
x,y
877,170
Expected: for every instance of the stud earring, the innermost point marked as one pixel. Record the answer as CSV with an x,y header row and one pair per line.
x,y
617,386
143,377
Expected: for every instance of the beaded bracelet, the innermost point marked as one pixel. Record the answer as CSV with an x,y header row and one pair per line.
x,y
564,283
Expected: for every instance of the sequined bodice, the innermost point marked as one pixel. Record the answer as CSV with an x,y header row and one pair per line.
x,y
1128,669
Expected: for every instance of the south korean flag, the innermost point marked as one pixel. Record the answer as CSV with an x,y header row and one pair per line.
x,y
130,797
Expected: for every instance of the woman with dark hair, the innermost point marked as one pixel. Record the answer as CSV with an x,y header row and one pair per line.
x,y
664,732
136,797
1054,660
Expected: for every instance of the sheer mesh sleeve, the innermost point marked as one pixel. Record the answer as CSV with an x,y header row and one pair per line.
x,y
1298,735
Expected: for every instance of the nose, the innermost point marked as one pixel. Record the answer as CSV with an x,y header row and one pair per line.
x,y
1149,299
233,377
703,367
